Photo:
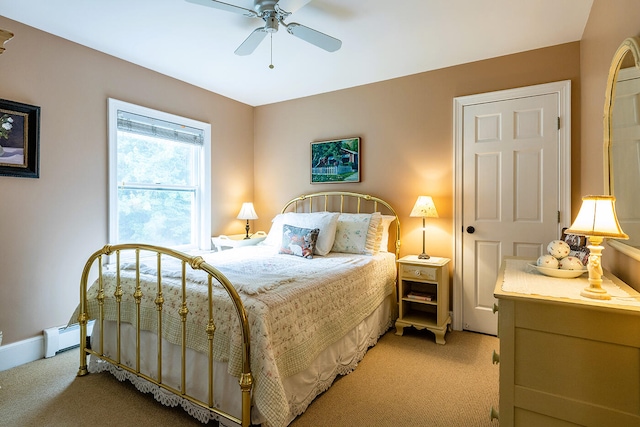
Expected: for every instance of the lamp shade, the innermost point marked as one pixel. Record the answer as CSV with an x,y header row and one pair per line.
x,y
247,212
424,208
597,217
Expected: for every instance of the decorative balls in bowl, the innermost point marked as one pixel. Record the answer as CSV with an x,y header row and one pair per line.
x,y
558,248
570,263
548,261
558,263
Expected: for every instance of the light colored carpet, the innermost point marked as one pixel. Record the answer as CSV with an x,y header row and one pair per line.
x,y
402,381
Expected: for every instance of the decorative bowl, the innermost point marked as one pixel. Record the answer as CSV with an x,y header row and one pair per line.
x,y
559,273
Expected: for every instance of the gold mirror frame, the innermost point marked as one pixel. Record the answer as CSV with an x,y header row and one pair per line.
x,y
631,46
5,36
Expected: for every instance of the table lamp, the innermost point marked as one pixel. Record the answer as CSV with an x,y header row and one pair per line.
x,y
247,212
424,208
597,220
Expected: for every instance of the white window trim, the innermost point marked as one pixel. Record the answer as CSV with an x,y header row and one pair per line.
x,y
203,196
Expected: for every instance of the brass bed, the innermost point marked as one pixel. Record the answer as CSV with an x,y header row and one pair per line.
x,y
134,351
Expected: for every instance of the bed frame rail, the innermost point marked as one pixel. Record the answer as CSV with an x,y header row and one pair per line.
x,y
193,262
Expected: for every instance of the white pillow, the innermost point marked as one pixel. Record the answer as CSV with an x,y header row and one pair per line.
x,y
351,233
374,234
384,242
325,221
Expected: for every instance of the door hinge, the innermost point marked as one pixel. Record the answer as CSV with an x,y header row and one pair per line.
x,y
558,217
558,123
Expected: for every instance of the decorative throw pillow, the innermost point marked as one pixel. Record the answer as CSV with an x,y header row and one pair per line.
x,y
298,241
351,233
324,221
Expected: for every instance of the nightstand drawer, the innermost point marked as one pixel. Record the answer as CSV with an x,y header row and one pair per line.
x,y
419,272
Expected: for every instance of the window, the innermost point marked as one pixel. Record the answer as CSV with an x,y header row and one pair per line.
x,y
159,178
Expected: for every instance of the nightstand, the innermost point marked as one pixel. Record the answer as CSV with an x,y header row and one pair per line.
x,y
423,287
222,242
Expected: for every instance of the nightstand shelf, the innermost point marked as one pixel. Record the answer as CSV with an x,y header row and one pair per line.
x,y
423,287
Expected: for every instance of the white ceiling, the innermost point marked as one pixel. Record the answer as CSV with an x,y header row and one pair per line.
x,y
381,39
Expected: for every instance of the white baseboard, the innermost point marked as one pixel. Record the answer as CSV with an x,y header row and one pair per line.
x,y
45,345
21,352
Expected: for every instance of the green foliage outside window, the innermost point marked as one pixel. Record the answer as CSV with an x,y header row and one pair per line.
x,y
155,197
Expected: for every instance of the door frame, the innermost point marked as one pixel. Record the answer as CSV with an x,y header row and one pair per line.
x,y
563,89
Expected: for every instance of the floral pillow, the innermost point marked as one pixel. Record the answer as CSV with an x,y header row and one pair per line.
x,y
351,233
298,241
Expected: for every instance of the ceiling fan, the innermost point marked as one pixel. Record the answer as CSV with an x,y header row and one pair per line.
x,y
274,16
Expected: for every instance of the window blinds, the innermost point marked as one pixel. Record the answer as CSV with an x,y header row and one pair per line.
x,y
142,125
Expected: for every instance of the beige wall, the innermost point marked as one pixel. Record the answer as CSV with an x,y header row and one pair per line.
x,y
49,226
406,126
609,24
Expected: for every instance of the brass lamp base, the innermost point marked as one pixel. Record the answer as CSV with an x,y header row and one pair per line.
x,y
423,255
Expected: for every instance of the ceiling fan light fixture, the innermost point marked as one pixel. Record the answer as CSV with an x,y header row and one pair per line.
x,y
273,16
271,24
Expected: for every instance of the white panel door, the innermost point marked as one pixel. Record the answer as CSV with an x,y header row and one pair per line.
x,y
511,193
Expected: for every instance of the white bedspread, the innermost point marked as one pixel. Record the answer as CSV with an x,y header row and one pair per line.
x,y
296,308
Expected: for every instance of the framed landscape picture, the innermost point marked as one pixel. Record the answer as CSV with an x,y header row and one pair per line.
x,y
19,139
335,161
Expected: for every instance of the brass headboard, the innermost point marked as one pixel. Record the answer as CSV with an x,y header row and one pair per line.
x,y
345,201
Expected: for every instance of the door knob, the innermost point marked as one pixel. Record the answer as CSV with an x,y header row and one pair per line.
x,y
471,229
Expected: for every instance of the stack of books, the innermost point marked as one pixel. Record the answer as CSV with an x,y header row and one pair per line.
x,y
420,296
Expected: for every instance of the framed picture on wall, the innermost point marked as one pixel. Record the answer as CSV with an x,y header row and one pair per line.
x,y
335,161
19,139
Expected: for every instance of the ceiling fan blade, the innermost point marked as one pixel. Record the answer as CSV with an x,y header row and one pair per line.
x,y
251,43
226,7
314,37
292,5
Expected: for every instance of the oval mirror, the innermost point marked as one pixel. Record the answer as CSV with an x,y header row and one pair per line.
x,y
622,142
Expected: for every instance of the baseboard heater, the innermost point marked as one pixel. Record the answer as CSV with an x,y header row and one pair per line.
x,y
57,340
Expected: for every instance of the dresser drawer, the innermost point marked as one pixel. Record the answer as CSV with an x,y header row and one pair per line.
x,y
415,272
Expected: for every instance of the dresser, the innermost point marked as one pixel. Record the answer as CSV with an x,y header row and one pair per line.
x,y
566,360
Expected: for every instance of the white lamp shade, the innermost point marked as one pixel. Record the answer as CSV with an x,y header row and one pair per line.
x,y
424,208
247,211
597,217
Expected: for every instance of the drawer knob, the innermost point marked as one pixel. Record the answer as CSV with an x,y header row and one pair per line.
x,y
495,358
494,414
495,308
417,272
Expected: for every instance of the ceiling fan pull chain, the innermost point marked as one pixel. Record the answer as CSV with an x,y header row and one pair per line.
x,y
271,64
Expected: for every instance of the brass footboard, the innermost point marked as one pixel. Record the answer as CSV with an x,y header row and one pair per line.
x,y
195,263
